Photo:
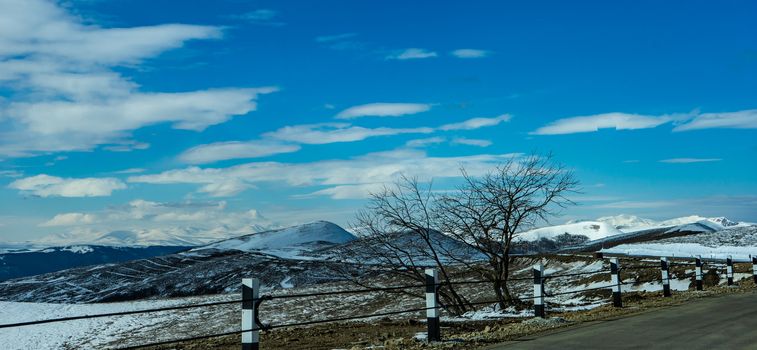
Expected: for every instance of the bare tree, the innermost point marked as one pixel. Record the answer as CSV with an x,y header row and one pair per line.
x,y
487,212
398,237
402,225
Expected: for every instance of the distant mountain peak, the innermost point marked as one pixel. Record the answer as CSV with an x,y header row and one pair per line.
x,y
287,242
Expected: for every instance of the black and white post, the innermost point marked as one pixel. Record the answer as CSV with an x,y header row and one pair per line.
x,y
754,268
539,290
665,277
432,306
251,333
698,272
617,301
729,269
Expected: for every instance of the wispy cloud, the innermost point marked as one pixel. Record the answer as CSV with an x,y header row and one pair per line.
x,y
471,142
130,171
470,53
288,139
70,219
11,173
381,167
689,160
383,110
65,80
476,123
592,123
746,119
235,150
425,141
149,221
411,54
336,132
52,186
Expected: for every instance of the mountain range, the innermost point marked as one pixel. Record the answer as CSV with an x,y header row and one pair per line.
x,y
297,255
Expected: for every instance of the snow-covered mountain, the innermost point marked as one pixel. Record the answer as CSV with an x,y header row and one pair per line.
x,y
631,223
290,242
613,230
628,223
591,229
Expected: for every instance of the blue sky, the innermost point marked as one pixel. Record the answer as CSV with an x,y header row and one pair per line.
x,y
163,116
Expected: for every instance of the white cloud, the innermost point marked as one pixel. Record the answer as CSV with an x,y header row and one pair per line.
x,y
689,160
127,146
68,95
159,222
288,138
746,119
336,132
226,188
70,219
381,167
476,123
235,150
471,142
383,110
425,141
51,186
348,191
470,53
411,54
592,123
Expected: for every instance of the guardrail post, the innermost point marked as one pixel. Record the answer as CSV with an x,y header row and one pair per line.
x,y
698,272
617,301
729,269
432,305
539,290
665,277
250,292
754,268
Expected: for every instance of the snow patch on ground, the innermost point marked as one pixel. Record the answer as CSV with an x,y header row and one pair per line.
x,y
683,250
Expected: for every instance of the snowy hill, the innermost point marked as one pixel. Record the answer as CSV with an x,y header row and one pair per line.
x,y
614,230
289,242
591,229
632,223
273,256
628,223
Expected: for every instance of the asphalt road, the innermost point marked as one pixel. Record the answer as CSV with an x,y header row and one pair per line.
x,y
727,322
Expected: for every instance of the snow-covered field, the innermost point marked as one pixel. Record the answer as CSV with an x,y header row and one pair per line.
x,y
94,332
739,242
